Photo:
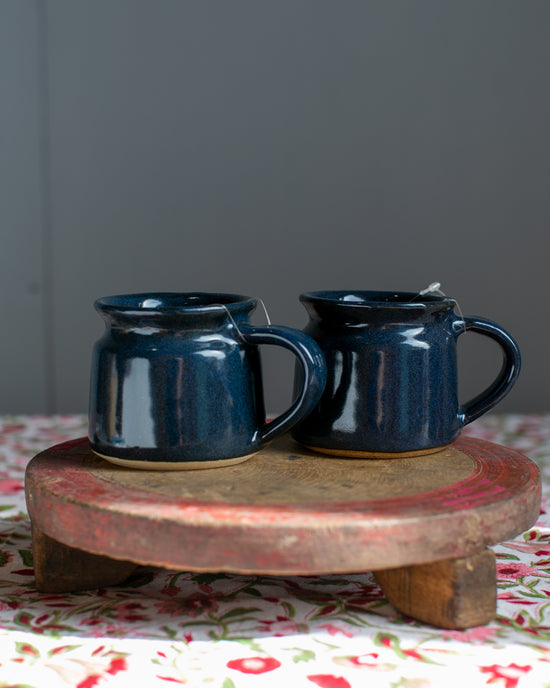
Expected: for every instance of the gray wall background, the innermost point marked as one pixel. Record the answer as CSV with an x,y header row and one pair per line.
x,y
269,148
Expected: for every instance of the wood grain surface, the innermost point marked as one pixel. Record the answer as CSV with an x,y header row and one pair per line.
x,y
286,473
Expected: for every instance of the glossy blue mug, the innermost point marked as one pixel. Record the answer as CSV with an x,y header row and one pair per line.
x,y
176,380
392,373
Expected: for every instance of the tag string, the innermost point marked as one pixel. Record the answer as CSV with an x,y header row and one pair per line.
x,y
435,288
226,309
265,312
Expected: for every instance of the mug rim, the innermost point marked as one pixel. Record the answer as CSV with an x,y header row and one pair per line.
x,y
361,299
174,302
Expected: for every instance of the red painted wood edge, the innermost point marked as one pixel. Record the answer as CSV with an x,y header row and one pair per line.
x,y
500,499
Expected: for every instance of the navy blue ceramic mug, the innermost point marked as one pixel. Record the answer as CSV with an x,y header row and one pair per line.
x,y
392,373
176,380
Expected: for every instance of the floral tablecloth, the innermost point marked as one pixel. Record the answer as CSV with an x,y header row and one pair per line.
x,y
166,628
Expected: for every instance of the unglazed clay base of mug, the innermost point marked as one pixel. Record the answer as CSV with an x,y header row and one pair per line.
x,y
360,454
172,465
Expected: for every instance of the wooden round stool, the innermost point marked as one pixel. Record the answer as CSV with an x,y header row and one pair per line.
x,y
422,524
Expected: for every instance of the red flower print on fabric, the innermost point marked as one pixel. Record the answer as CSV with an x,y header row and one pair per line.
x,y
513,570
11,486
254,665
329,681
331,629
115,666
509,675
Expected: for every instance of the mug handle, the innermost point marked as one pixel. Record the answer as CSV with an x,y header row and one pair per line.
x,y
314,367
507,376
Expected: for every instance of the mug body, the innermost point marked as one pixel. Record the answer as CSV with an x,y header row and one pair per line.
x,y
172,382
391,373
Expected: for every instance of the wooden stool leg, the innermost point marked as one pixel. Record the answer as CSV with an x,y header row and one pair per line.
x,y
59,568
452,593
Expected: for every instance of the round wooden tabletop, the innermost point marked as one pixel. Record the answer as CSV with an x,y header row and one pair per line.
x,y
286,510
